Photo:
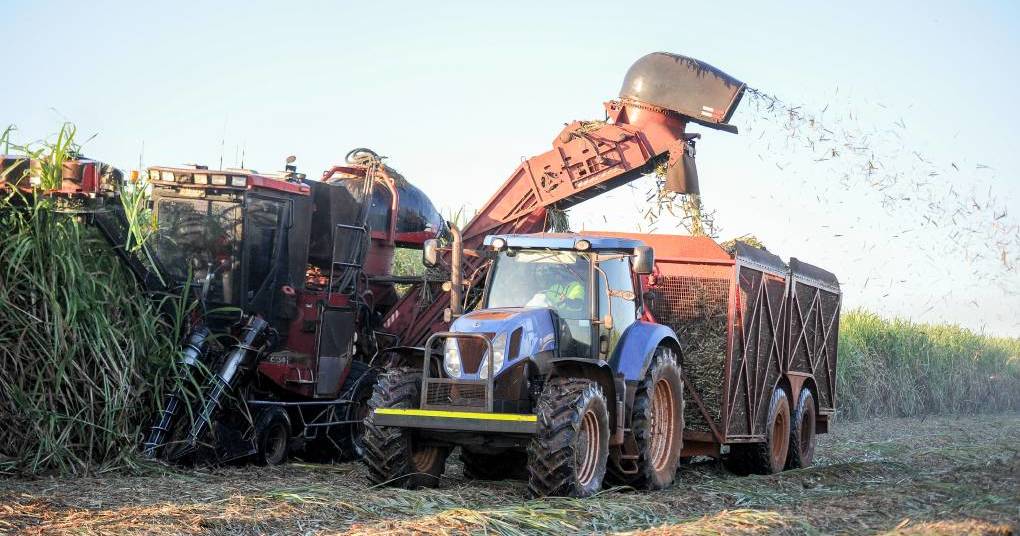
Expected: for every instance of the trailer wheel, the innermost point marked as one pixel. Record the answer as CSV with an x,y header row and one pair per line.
x,y
768,457
802,433
657,421
499,466
272,436
395,456
568,455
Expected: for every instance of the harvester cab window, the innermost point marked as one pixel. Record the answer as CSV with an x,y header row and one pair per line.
x,y
560,280
201,238
264,246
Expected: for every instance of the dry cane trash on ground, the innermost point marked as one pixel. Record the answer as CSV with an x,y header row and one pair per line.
x,y
896,476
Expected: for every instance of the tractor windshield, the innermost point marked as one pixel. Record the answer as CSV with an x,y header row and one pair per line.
x,y
560,280
198,237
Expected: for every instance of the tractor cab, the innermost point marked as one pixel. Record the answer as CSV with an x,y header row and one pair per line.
x,y
549,296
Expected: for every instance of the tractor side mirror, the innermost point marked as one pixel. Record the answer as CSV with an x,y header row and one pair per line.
x,y
644,260
430,253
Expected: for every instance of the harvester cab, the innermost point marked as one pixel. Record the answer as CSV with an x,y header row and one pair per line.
x,y
294,277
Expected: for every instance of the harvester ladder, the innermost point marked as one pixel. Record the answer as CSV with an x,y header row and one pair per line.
x,y
351,241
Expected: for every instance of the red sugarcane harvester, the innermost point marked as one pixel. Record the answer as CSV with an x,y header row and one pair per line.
x,y
291,278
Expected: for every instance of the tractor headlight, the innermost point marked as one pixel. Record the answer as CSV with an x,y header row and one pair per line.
x,y
219,180
498,352
451,360
239,181
201,178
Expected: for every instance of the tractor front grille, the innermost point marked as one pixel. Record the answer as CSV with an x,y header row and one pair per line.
x,y
464,395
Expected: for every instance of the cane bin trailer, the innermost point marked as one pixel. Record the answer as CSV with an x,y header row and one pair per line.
x,y
758,344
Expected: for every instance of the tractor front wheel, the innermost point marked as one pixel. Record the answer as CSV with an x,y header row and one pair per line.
x,y
568,455
395,456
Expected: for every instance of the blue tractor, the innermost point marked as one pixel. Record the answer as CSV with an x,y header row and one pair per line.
x,y
556,374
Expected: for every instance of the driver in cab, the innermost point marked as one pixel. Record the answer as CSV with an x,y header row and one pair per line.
x,y
564,294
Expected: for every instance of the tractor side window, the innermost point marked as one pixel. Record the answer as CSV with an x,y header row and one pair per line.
x,y
624,310
264,242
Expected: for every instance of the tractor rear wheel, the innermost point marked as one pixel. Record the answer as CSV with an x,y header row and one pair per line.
x,y
768,457
568,455
396,456
802,433
499,466
272,436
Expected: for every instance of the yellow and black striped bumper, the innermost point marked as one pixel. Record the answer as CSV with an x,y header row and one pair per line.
x,y
429,419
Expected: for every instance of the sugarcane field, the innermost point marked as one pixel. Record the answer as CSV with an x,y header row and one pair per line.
x,y
481,268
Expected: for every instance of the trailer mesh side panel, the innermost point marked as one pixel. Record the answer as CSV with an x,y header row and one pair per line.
x,y
696,307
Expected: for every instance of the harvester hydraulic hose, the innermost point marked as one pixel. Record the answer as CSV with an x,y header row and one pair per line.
x,y
240,359
193,350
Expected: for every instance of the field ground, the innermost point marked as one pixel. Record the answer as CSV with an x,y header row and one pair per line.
x,y
899,476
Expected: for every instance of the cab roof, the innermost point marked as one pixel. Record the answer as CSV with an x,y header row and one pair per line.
x,y
565,241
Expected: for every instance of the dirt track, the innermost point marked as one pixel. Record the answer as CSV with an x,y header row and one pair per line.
x,y
947,475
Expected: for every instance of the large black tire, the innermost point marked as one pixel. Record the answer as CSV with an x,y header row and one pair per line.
x,y
346,442
657,421
272,436
568,455
499,466
394,456
768,457
802,432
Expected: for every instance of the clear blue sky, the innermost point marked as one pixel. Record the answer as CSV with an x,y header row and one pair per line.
x,y
455,94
